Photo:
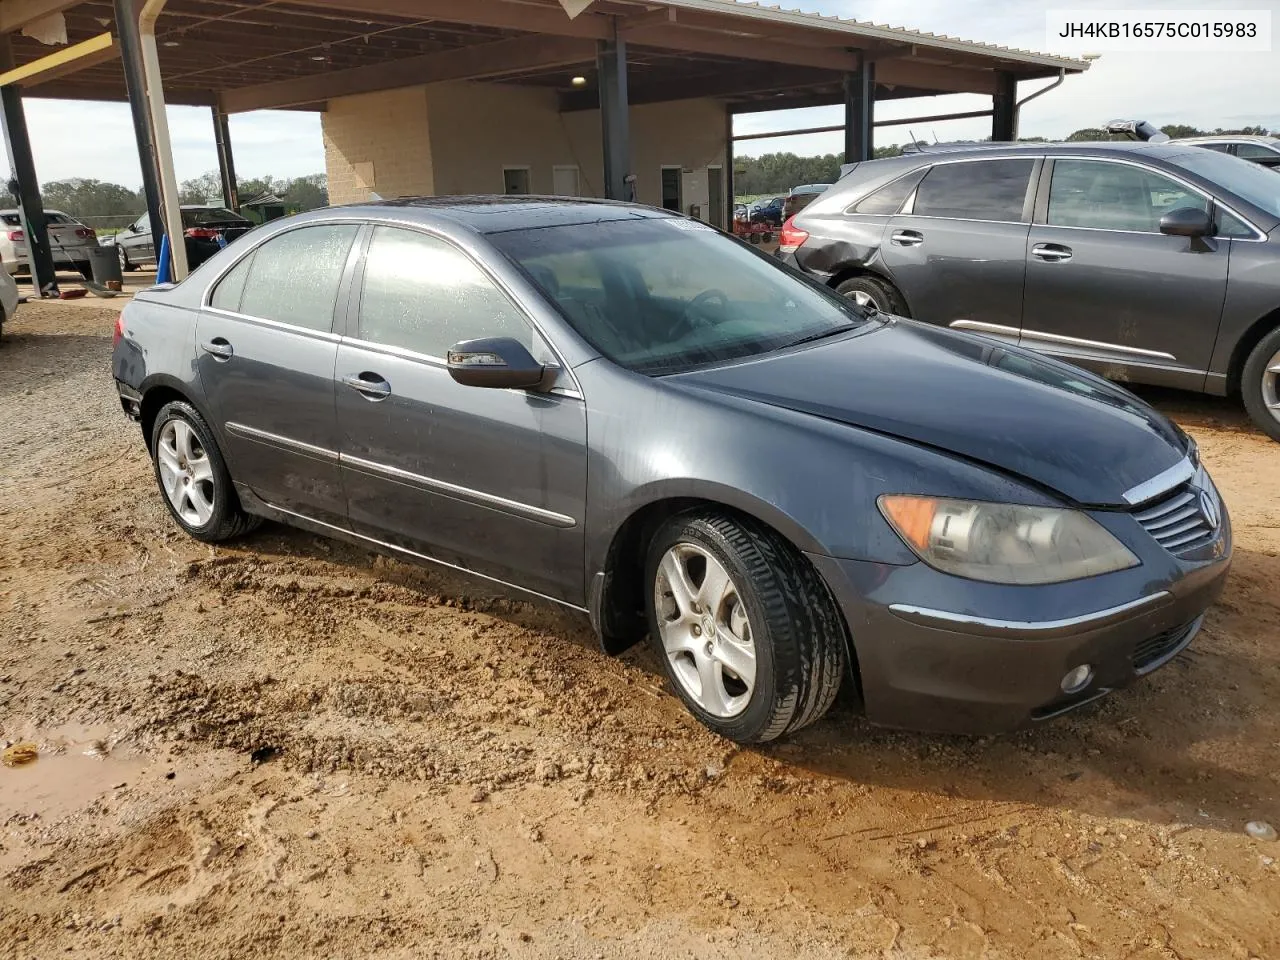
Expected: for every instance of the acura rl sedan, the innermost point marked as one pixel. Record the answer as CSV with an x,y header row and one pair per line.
x,y
627,412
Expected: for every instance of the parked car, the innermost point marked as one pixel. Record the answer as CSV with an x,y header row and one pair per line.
x,y
69,241
631,414
1147,262
8,297
206,230
1264,151
768,212
800,197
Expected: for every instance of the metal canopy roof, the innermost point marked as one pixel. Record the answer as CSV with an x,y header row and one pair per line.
x,y
252,54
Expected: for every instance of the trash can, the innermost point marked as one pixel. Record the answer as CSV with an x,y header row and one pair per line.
x,y
104,264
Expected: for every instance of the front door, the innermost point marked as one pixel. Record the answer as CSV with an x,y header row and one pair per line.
x,y
490,480
958,251
266,351
1107,289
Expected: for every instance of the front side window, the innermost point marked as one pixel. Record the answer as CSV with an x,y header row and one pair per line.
x,y
1114,196
1257,153
1218,147
423,294
665,295
295,276
975,190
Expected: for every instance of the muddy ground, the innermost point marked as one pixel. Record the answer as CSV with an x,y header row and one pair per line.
x,y
295,748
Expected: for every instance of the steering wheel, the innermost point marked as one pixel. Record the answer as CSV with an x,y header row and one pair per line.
x,y
695,313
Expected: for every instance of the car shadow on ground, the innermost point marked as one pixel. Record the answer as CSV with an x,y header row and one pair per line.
x,y
1159,751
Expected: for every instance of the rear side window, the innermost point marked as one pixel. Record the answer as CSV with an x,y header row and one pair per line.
x,y
975,190
294,277
1219,147
226,295
422,294
889,199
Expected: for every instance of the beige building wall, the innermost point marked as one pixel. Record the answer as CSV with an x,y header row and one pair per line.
x,y
456,138
378,143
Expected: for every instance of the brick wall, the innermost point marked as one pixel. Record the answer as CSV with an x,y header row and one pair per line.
x,y
378,143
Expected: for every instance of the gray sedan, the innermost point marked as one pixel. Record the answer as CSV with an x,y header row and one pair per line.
x,y
629,413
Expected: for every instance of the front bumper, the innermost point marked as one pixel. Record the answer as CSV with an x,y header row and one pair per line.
x,y
943,654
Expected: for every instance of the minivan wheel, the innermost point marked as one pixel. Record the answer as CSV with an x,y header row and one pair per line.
x,y
193,476
1260,384
868,291
746,630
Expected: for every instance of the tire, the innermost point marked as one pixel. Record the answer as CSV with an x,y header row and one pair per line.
x,y
1260,384
209,510
125,263
866,289
774,599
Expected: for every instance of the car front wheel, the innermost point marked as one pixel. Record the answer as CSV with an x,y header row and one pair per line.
x,y
747,632
1260,384
193,476
125,264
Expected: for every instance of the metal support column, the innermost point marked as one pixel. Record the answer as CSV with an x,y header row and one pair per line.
x,y
23,183
729,161
611,62
226,162
859,113
1004,108
135,83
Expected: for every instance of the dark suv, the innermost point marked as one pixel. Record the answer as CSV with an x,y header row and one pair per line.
x,y
1149,262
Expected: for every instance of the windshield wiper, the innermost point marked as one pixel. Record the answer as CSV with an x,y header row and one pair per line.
x,y
822,335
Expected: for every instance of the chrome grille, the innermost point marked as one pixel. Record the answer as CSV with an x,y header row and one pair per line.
x,y
1177,521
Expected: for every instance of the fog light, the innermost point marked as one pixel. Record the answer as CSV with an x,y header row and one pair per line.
x,y
1077,679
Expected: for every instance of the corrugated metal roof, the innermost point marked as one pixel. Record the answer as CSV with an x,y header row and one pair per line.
x,y
861,28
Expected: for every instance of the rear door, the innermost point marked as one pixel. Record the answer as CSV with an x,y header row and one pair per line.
x,y
1107,289
266,351
958,250
489,480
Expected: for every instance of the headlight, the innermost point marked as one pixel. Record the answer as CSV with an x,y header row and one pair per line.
x,y
1005,543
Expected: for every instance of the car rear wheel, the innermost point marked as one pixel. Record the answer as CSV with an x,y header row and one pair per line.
x,y
1260,384
125,264
868,291
193,476
747,632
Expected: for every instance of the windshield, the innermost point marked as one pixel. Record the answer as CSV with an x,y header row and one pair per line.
x,y
1249,181
665,295
198,218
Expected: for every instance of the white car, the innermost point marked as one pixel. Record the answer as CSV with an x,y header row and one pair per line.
x,y
8,298
69,240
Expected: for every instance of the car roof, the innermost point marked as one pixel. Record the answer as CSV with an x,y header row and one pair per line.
x,y
498,214
1243,137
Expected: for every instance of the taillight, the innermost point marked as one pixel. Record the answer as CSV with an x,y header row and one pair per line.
x,y
117,334
200,233
17,236
791,238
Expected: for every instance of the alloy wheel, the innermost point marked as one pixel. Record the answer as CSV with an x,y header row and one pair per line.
x,y
186,473
864,299
1271,386
706,633
124,258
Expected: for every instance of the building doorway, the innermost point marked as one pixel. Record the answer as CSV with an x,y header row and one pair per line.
x,y
671,199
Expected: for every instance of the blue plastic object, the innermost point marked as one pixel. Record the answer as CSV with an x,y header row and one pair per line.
x,y
164,265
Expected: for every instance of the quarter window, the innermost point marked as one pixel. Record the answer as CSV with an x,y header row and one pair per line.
x,y
889,199
1114,196
226,295
422,294
975,190
294,277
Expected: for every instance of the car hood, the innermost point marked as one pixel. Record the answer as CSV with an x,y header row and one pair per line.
x,y
1046,421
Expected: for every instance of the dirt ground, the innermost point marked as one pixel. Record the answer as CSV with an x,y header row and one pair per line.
x,y
294,748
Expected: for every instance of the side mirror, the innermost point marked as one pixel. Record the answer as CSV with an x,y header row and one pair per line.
x,y
134,228
495,362
1187,222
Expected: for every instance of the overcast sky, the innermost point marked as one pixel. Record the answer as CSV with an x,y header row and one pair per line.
x,y
1208,90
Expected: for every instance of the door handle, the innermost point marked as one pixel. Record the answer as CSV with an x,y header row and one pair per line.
x,y
1051,252
908,238
219,349
369,385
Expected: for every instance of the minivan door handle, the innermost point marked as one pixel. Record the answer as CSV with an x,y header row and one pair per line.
x,y
371,386
219,348
907,238
1051,252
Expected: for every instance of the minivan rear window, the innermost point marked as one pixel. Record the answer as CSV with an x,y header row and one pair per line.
x,y
975,190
